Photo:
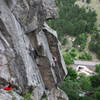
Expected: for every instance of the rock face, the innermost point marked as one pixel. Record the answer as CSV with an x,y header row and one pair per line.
x,y
4,95
29,49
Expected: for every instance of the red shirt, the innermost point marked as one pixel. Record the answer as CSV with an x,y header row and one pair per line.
x,y
7,88
55,59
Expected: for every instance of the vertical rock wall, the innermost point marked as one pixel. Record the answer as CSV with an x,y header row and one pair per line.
x,y
27,46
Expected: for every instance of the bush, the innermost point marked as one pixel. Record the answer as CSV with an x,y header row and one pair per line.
x,y
85,56
73,53
72,73
68,59
95,80
80,41
27,96
97,95
88,1
97,68
64,41
86,98
94,45
85,83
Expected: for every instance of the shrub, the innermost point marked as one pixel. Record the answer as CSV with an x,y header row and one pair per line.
x,y
88,1
64,41
85,83
68,59
85,56
95,80
27,96
97,68
97,95
86,98
94,45
80,41
44,97
73,53
72,73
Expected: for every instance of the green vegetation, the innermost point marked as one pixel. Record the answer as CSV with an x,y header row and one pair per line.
x,y
80,41
95,44
78,85
85,56
72,19
70,56
44,97
73,87
97,68
64,41
27,96
85,83
72,73
73,53
68,59
88,1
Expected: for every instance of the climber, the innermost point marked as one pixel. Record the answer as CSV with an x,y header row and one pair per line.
x,y
54,58
46,87
9,87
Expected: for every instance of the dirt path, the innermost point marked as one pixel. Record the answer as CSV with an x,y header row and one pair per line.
x,y
85,63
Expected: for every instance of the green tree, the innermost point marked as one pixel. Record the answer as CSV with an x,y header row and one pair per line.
x,y
68,59
72,73
97,68
71,88
88,1
72,20
85,56
94,45
95,80
73,53
80,41
85,83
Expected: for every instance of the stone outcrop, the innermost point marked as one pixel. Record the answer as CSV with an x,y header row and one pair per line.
x,y
28,47
57,94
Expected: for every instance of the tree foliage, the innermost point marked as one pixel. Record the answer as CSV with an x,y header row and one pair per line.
x,y
72,20
80,41
95,44
85,56
72,73
68,59
97,68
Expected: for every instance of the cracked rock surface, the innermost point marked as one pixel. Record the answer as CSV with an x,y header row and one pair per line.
x,y
27,48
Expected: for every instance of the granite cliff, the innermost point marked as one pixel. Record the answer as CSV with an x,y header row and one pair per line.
x,y
30,56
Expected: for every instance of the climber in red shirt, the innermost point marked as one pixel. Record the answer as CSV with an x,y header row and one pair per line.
x,y
54,58
9,87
